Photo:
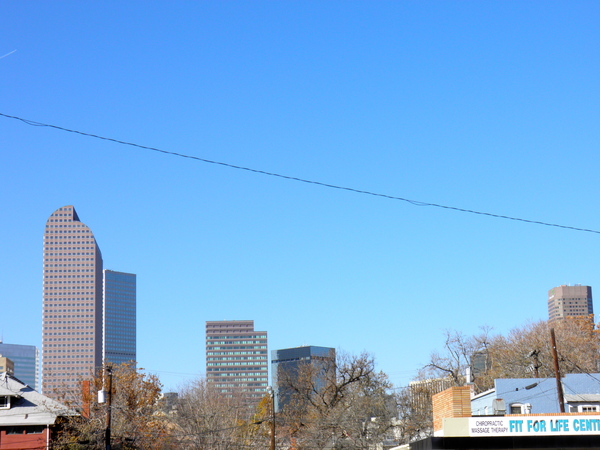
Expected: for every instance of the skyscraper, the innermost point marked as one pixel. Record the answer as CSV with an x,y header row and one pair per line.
x,y
26,359
286,365
237,357
72,302
568,301
119,317
81,326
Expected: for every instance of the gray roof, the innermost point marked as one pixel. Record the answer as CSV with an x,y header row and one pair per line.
x,y
582,398
27,406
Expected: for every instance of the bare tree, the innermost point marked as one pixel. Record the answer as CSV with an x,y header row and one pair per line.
x,y
526,351
209,419
344,406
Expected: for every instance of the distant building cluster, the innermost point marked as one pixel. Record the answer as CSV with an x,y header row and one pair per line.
x,y
89,319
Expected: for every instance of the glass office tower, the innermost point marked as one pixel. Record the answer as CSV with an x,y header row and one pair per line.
x,y
119,317
26,359
285,364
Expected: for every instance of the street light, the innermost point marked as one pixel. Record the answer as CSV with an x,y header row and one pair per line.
x,y
272,394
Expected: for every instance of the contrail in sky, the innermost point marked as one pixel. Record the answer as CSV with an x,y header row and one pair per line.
x,y
9,53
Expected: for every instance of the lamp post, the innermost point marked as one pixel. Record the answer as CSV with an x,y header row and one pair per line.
x,y
272,395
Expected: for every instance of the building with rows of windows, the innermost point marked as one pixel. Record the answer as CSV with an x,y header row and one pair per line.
x,y
237,358
75,322
570,301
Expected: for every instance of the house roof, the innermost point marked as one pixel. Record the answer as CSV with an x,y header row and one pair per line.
x,y
27,406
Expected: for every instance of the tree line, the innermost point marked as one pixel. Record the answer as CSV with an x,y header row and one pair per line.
x,y
346,404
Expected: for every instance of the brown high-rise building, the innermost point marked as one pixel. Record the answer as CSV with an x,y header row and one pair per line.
x,y
72,302
568,301
237,358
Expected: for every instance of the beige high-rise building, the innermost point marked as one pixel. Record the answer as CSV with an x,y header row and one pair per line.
x,y
72,302
568,301
237,358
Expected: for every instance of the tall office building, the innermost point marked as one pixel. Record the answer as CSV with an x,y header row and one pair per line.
x,y
237,358
119,331
26,360
72,302
286,364
74,325
568,301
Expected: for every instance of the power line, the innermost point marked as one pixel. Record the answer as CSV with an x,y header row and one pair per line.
x,y
302,180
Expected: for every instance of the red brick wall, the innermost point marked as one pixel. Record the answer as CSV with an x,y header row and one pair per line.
x,y
22,441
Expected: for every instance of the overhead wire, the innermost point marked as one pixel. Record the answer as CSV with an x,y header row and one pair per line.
x,y
301,180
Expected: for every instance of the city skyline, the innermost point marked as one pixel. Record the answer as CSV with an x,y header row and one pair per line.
x,y
485,106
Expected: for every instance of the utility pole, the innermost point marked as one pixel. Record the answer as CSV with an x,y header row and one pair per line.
x,y
559,390
272,395
108,406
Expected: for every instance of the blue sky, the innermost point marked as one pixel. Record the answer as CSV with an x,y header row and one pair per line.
x,y
489,106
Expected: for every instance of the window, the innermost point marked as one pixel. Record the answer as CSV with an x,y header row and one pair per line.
x,y
520,408
588,408
4,402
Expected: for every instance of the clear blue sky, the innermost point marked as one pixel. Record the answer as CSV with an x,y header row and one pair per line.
x,y
490,106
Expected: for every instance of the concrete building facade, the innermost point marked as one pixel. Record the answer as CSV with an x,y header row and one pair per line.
x,y
237,358
569,301
26,361
72,302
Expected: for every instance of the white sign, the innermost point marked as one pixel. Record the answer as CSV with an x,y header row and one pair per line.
x,y
534,425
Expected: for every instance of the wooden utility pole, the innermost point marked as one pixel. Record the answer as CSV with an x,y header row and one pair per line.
x,y
271,393
273,421
108,406
559,389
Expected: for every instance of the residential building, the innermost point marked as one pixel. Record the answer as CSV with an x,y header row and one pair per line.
x,y
81,326
119,331
26,360
237,358
568,301
27,418
286,366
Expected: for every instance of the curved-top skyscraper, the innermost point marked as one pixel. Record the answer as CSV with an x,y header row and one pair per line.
x,y
72,302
